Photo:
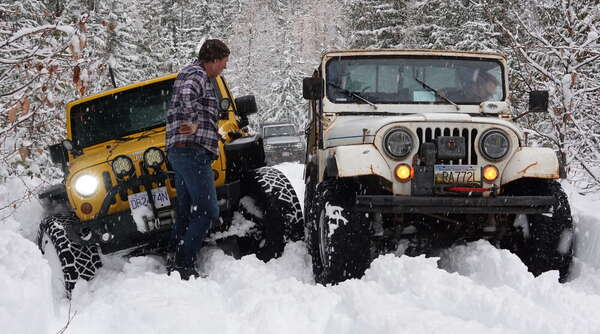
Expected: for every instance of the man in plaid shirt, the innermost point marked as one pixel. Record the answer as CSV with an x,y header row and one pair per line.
x,y
192,145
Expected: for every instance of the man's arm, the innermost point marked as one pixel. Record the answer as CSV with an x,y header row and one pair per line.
x,y
190,94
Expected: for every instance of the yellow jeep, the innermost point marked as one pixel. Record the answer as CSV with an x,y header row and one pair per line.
x,y
118,192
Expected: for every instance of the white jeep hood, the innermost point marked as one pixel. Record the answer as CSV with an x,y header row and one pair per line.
x,y
352,130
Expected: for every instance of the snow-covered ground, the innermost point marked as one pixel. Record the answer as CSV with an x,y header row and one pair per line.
x,y
469,289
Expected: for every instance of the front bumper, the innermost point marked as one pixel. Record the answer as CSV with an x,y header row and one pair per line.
x,y
454,205
114,232
119,231
284,156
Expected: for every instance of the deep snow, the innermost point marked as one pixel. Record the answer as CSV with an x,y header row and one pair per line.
x,y
469,289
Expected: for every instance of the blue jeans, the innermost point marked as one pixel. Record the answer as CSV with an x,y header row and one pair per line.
x,y
197,206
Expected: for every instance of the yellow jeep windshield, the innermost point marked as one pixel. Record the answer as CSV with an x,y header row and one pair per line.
x,y
120,114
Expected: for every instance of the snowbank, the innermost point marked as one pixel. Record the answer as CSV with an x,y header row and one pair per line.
x,y
26,302
20,213
474,288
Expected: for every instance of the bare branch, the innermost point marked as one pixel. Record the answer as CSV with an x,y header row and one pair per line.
x,y
69,318
587,61
20,88
32,31
588,170
588,90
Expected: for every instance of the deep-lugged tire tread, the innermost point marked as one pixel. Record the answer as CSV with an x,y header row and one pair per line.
x,y
282,218
539,252
274,182
77,261
349,253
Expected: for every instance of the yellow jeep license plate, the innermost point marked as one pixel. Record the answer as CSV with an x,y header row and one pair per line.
x,y
457,174
161,199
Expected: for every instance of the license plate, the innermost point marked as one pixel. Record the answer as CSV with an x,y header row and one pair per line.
x,y
285,154
161,199
457,174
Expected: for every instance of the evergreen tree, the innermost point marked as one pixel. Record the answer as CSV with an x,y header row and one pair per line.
x,y
456,24
378,23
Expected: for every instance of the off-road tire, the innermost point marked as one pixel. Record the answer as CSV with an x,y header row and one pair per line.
x,y
280,219
339,237
76,261
549,245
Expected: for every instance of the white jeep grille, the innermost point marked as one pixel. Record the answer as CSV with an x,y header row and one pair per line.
x,y
428,135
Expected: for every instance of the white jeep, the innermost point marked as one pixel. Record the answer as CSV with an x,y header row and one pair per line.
x,y
411,151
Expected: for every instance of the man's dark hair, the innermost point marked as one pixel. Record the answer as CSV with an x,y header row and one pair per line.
x,y
212,49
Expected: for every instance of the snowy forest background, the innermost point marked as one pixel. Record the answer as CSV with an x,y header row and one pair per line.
x,y
55,51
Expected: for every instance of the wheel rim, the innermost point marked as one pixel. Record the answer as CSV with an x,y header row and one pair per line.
x,y
323,241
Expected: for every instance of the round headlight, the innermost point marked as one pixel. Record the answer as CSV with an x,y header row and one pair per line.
x,y
154,157
225,104
86,185
398,143
494,144
122,166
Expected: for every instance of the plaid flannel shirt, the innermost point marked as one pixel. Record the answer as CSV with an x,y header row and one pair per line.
x,y
194,100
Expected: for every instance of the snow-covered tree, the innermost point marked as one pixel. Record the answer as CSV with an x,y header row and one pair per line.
x,y
558,42
39,73
456,24
378,24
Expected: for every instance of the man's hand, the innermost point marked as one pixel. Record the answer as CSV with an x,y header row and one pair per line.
x,y
188,128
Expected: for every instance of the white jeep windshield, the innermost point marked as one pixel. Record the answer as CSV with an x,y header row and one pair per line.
x,y
414,80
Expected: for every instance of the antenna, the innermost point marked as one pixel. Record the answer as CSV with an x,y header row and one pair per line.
x,y
112,76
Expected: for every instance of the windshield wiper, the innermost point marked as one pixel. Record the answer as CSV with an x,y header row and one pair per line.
x,y
124,139
437,92
144,134
353,94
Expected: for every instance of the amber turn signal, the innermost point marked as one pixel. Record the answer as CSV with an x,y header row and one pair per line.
x,y
490,173
404,172
86,208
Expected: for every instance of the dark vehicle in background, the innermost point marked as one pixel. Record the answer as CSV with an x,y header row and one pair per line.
x,y
282,143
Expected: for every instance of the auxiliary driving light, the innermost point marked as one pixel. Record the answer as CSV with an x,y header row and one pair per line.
x,y
154,157
490,173
122,166
404,172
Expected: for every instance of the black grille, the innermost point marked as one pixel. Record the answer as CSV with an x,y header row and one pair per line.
x,y
428,135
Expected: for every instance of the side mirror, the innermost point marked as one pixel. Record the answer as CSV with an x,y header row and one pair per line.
x,y
246,105
538,101
312,88
69,146
58,154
